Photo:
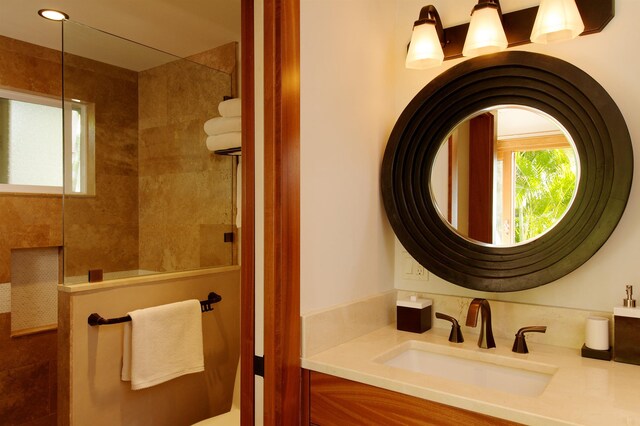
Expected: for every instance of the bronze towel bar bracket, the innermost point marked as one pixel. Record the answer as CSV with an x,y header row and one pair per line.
x,y
205,306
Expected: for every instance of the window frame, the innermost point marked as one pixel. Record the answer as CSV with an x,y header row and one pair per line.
x,y
88,146
505,153
87,180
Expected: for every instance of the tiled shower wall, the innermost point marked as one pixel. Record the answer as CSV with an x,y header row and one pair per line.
x,y
101,231
28,363
185,191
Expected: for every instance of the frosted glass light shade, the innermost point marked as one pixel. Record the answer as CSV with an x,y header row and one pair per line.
x,y
485,34
425,50
53,15
557,20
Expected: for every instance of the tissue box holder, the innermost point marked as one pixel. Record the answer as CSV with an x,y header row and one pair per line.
x,y
413,315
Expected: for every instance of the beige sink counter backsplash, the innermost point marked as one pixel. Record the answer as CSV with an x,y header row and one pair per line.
x,y
327,328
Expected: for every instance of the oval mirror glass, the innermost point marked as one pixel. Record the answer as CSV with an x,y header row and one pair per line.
x,y
505,175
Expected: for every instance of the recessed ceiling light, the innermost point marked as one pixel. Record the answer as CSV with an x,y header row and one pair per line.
x,y
54,15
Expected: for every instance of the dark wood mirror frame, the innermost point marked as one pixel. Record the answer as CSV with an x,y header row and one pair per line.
x,y
551,85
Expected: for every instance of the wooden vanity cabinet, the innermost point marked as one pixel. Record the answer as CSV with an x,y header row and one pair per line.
x,y
329,400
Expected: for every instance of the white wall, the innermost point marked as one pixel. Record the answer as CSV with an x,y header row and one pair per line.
x,y
353,88
347,104
609,57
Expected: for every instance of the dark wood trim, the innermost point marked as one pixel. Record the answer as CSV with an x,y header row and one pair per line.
x,y
247,271
282,398
305,409
451,152
481,139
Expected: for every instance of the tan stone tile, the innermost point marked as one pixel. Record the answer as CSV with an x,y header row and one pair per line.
x,y
153,98
115,203
53,385
89,65
30,210
18,46
18,68
5,261
25,350
223,58
108,247
5,328
169,247
195,91
25,393
213,250
50,420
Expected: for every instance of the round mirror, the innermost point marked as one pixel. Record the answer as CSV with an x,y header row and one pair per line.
x,y
548,87
505,175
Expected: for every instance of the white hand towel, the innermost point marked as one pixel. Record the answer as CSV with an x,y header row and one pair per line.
x,y
230,108
224,141
219,125
165,342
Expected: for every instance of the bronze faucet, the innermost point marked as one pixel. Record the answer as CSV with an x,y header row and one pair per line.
x,y
520,344
486,333
455,336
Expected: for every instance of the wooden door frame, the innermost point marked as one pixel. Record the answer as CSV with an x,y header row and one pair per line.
x,y
282,212
247,244
282,372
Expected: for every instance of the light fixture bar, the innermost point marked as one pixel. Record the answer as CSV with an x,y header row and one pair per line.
x,y
518,25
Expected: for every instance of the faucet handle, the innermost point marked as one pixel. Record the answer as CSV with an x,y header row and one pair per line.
x,y
520,344
456,334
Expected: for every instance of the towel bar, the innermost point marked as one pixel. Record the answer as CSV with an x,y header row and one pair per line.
x,y
235,151
205,306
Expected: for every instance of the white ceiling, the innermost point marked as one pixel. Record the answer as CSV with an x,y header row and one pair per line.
x,y
179,27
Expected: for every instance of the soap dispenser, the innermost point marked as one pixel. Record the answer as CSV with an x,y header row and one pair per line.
x,y
626,323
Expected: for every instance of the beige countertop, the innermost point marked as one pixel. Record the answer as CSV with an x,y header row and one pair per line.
x,y
581,391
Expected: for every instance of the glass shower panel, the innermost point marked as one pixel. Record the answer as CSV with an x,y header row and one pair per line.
x,y
157,199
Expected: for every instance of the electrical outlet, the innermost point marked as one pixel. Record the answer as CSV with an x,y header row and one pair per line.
x,y
412,270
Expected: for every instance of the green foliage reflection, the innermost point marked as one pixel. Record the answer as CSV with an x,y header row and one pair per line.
x,y
545,182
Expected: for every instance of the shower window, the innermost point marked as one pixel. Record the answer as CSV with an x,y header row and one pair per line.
x,y
79,163
32,156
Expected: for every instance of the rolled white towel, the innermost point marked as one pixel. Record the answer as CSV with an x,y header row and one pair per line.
x,y
219,125
230,108
224,141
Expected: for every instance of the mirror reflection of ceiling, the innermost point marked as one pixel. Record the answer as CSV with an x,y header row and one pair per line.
x,y
521,122
505,176
180,27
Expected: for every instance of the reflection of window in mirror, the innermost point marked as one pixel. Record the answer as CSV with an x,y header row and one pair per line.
x,y
32,157
505,176
535,175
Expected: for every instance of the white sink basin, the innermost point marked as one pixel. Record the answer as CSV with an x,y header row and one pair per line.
x,y
487,370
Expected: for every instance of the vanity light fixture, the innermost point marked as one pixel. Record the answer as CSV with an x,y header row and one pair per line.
x,y
515,28
53,15
427,40
485,34
557,20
